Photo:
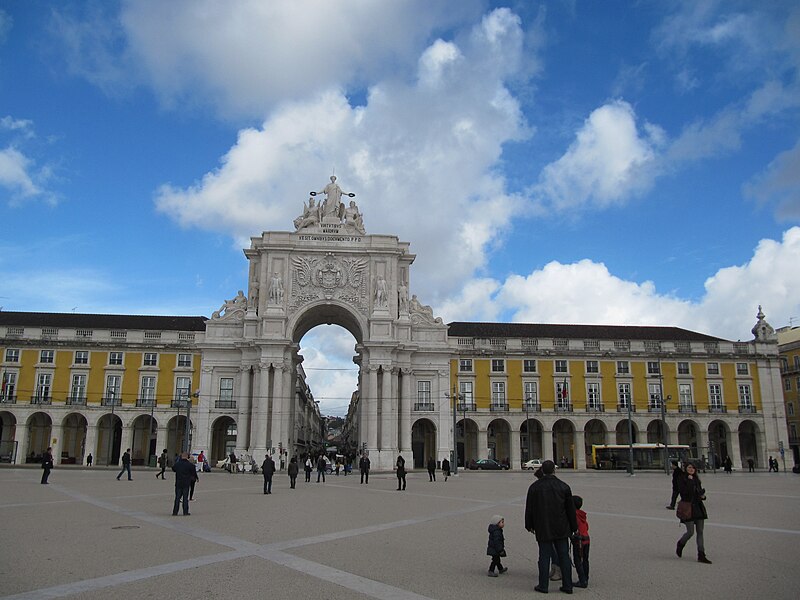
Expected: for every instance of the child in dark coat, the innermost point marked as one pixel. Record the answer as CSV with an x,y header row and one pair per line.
x,y
580,545
497,545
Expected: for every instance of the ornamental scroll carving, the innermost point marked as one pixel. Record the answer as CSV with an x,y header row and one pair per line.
x,y
329,278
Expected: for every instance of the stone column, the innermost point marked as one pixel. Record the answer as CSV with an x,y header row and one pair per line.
x,y
547,444
370,415
244,404
57,433
735,452
280,409
90,443
258,435
161,439
483,445
516,455
21,436
404,443
579,450
387,414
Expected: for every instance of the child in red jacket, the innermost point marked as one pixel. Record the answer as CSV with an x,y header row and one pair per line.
x,y
580,545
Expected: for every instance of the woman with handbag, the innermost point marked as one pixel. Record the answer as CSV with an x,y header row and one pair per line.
x,y
692,512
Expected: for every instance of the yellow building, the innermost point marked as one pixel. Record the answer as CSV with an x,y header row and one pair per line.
x,y
789,348
95,384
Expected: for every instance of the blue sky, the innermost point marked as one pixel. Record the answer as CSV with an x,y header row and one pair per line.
x,y
580,162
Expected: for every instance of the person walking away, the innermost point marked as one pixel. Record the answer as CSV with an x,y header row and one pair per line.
x,y
497,545
445,468
401,472
47,464
268,470
693,494
308,468
321,466
184,474
195,479
750,465
580,545
550,516
126,464
728,465
162,462
293,470
89,460
431,469
677,473
363,466
232,463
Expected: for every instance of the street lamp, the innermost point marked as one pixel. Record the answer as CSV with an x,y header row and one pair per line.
x,y
528,423
112,427
630,438
455,397
188,430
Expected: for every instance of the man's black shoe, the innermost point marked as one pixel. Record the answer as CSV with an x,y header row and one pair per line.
x,y
542,590
565,590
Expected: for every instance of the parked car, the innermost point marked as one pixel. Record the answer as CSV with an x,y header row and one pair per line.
x,y
487,464
533,464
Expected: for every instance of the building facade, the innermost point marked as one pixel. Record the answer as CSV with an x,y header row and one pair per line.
x,y
789,348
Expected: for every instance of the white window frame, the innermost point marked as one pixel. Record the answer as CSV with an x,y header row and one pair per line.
x,y
11,384
593,399
44,386
712,368
742,368
114,392
623,367
623,393
745,395
465,365
47,357
655,395
498,365
560,366
562,402
787,385
78,387
147,393
182,392
653,367
715,395
150,359
593,366
498,393
530,390
81,357
225,390
529,365
685,397
790,409
465,388
12,355
684,368
116,359
184,360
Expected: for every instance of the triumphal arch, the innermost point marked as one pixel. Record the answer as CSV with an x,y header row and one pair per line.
x,y
329,270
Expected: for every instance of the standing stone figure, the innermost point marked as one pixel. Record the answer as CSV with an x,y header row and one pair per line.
x,y
332,205
276,289
381,295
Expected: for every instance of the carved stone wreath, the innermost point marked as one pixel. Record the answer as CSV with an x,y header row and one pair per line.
x,y
329,277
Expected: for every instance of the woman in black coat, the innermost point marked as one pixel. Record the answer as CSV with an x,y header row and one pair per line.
x,y
691,491
401,472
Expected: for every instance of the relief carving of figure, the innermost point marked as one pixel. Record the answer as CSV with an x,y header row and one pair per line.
x,y
276,289
402,298
381,295
230,306
421,311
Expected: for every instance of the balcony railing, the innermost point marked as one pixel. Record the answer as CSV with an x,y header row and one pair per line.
x,y
687,408
179,402
225,404
563,408
428,406
41,400
466,406
624,408
8,399
147,402
595,407
717,409
106,401
75,401
531,407
498,407
654,408
747,409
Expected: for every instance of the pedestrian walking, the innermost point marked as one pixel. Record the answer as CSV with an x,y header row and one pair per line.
x,y
751,465
321,467
580,545
308,468
446,468
496,547
431,469
692,512
89,460
126,464
550,516
677,474
293,470
401,472
728,465
194,481
47,464
268,470
232,462
184,474
162,462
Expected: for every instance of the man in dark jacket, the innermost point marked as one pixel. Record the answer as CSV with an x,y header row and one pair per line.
x,y
184,475
126,464
268,469
363,466
677,472
431,469
550,515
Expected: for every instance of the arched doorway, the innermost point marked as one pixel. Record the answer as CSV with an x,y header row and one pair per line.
x,y
8,443
748,442
143,440
40,428
223,439
530,440
423,442
655,432
109,440
564,442
593,433
498,440
622,431
467,441
688,434
719,438
176,434
73,434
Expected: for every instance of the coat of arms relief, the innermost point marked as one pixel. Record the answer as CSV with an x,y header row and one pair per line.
x,y
330,278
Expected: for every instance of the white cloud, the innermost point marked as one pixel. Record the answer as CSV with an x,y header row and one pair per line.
x,y
16,175
421,157
779,184
328,352
586,292
610,160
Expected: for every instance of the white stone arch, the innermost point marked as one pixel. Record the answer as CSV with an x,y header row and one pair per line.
x,y
74,427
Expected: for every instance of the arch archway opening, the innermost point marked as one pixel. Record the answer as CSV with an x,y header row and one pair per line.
x,y
109,440
593,433
564,443
748,443
73,435
498,436
8,433
40,428
466,441
224,436
530,440
423,442
143,440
